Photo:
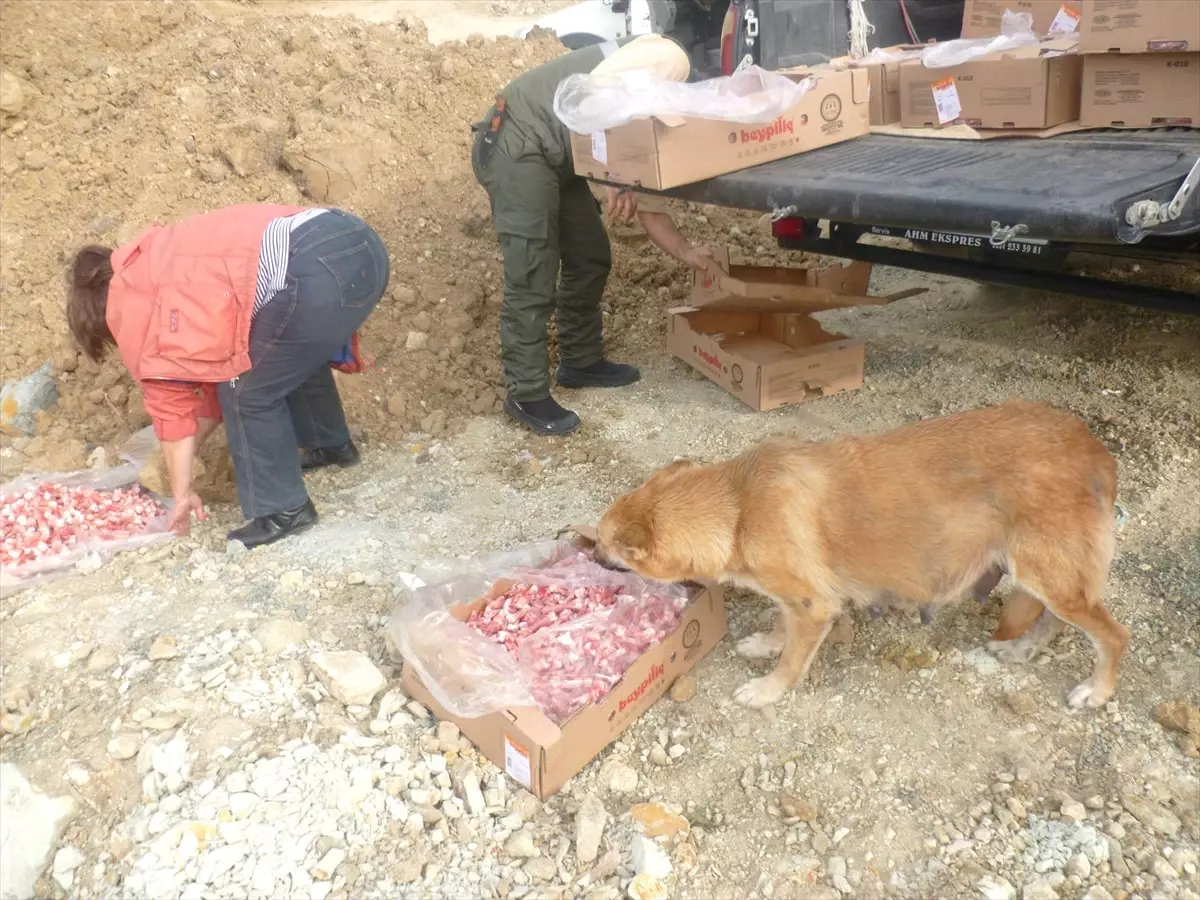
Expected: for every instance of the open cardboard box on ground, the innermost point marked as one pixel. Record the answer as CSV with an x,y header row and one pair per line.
x,y
750,329
668,151
540,755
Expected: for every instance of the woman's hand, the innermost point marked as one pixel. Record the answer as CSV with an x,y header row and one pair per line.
x,y
180,521
622,204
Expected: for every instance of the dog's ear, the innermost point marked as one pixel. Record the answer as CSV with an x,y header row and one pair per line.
x,y
631,540
678,463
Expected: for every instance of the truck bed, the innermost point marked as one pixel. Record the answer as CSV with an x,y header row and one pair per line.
x,y
1070,188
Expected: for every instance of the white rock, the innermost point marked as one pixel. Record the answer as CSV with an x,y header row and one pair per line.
x,y
278,634
1079,865
391,703
619,777
30,826
1038,889
323,871
242,804
836,866
171,757
521,846
648,857
1097,892
124,745
472,795
349,676
1072,809
292,581
1163,869
66,861
993,887
589,828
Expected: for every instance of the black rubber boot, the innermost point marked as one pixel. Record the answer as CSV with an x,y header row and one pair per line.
x,y
269,529
603,374
343,457
543,416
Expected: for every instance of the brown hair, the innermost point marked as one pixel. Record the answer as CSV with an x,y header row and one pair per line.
x,y
87,299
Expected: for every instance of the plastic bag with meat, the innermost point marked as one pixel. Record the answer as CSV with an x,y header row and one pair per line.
x,y
516,650
50,520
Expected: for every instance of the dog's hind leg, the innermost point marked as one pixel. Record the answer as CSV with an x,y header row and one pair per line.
x,y
1069,585
806,623
1026,628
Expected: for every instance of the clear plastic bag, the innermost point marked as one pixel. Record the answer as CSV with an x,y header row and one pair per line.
x,y
879,55
470,674
591,103
1016,30
135,454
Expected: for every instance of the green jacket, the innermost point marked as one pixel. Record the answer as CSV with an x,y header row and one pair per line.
x,y
530,99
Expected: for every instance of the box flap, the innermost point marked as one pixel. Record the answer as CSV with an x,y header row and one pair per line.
x,y
776,289
671,121
860,86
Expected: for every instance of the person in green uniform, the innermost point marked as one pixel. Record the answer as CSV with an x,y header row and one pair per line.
x,y
546,218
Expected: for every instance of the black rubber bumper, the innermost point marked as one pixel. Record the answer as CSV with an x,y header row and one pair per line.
x,y
1069,188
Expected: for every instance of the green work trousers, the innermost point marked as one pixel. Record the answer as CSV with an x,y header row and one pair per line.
x,y
544,220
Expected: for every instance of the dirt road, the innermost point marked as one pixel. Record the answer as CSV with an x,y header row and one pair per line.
x,y
181,699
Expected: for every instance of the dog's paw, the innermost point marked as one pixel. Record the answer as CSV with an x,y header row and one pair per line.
x,y
1015,651
1087,696
764,645
759,692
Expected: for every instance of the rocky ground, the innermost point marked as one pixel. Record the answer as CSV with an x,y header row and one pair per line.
x,y
192,722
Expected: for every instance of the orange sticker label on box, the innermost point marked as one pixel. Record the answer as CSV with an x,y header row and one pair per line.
x,y
516,763
1066,21
945,98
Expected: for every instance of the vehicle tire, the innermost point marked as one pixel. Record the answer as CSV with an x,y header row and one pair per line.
x,y
578,40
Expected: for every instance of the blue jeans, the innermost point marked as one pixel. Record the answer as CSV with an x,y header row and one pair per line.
x,y
337,272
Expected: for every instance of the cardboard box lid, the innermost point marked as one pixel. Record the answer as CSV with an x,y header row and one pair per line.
x,y
860,90
1048,49
776,289
860,78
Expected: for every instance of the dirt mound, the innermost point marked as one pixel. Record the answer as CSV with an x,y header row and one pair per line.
x,y
113,120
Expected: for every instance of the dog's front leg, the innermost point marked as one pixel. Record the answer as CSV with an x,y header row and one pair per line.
x,y
806,624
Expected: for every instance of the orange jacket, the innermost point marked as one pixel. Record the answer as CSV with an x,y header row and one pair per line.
x,y
179,307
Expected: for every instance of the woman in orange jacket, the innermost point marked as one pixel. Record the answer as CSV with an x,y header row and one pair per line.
x,y
238,314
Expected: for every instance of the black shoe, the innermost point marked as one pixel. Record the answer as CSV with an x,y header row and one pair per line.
x,y
344,457
603,374
544,416
269,529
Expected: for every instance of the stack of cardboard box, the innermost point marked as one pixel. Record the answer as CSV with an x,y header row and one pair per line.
x,y
1141,63
1101,64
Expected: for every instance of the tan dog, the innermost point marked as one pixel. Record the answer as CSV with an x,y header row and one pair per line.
x,y
921,515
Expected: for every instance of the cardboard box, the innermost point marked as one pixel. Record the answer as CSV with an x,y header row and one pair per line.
x,y
540,755
750,330
1036,86
1141,90
884,82
1140,26
669,151
982,18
